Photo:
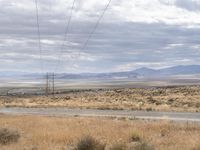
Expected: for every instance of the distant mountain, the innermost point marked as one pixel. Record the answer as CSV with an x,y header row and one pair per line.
x,y
181,70
114,75
146,71
176,70
12,74
138,73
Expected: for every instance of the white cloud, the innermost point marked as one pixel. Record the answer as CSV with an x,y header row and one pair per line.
x,y
172,45
155,11
183,60
135,65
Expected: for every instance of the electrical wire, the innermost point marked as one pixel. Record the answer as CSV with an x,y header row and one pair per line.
x,y
65,37
39,35
92,31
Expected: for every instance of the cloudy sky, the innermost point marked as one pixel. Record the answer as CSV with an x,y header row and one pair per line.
x,y
131,34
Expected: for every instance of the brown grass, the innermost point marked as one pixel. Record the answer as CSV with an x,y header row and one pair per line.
x,y
51,133
185,98
89,143
8,136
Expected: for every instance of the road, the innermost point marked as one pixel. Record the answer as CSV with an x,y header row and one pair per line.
x,y
62,112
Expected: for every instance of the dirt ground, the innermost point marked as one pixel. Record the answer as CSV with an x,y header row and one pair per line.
x,y
181,98
51,133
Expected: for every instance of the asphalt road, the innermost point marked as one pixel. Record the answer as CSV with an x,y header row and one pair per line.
x,y
62,112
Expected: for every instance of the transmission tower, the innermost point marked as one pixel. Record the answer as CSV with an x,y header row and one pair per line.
x,y
50,84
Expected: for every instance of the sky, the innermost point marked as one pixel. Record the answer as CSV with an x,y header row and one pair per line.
x,y
131,34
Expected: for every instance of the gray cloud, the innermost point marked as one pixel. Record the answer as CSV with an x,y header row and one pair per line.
x,y
190,5
118,42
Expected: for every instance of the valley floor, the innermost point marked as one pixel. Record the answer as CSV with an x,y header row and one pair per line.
x,y
175,98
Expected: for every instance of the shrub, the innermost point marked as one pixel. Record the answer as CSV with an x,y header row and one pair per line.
x,y
117,146
8,136
135,137
89,143
164,132
151,100
197,147
149,109
144,146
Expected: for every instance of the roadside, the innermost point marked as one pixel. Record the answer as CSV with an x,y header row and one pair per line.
x,y
61,133
64,112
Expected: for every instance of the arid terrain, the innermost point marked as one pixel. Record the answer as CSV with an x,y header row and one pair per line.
x,y
174,98
100,75
53,133
39,132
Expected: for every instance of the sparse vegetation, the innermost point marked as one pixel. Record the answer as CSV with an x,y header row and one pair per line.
x,y
52,133
8,136
117,146
175,98
143,146
89,143
135,137
197,147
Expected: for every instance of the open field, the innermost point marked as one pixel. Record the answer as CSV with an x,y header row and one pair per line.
x,y
51,133
175,98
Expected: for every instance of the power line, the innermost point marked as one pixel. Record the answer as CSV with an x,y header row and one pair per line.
x,y
65,37
94,29
38,32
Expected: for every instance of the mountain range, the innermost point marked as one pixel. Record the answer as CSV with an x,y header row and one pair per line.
x,y
134,74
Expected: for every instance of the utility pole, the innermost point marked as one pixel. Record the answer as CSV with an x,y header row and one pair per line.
x,y
53,86
50,84
47,84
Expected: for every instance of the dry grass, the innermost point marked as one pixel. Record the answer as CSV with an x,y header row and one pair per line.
x,y
89,143
185,98
143,146
135,137
8,136
50,133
